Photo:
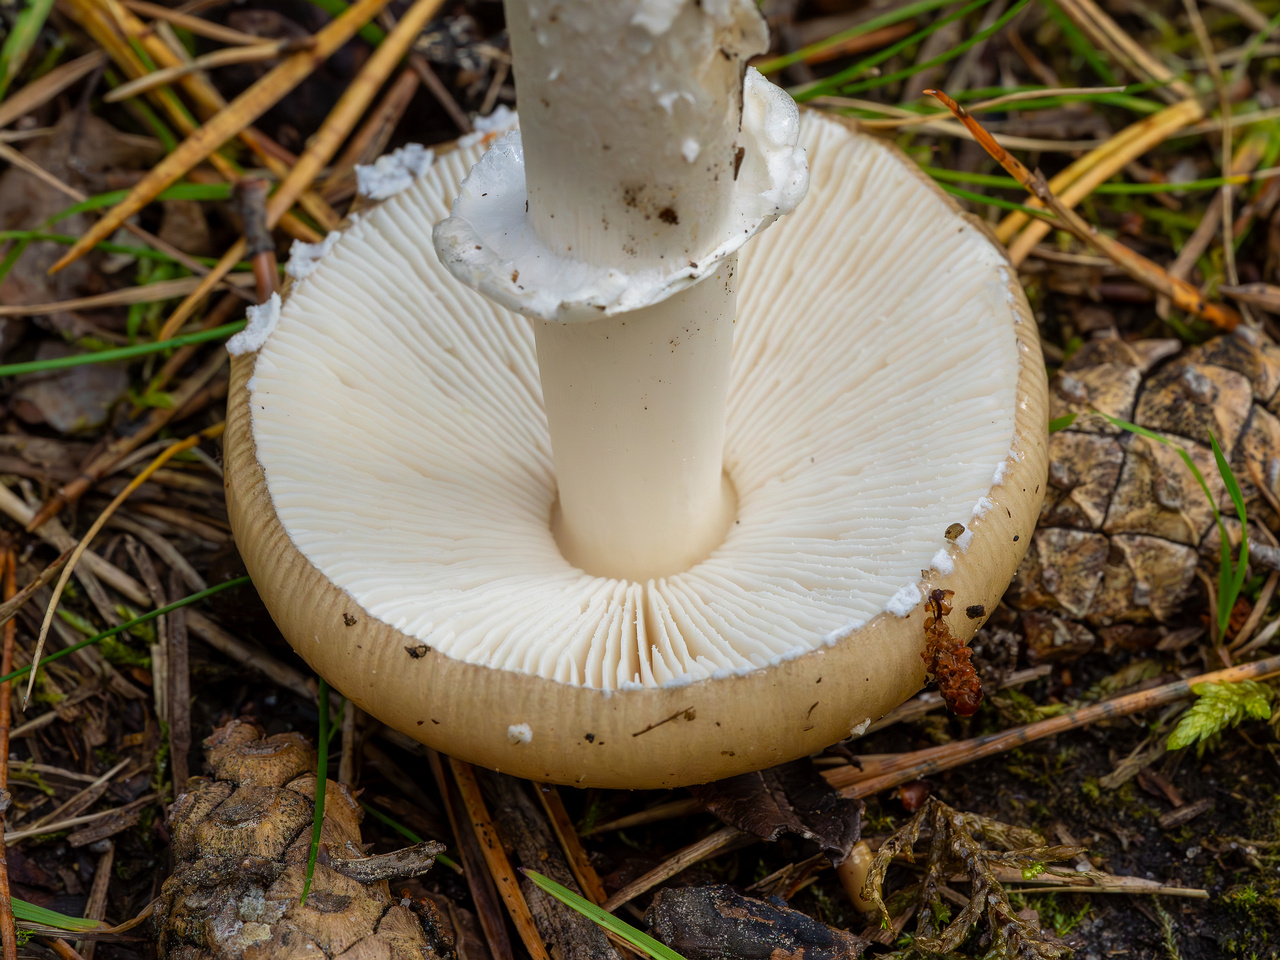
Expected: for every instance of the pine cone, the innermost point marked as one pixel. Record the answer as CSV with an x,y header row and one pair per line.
x,y
1124,523
240,844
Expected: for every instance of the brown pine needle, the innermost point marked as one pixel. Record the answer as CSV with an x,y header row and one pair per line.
x,y
320,148
241,112
496,859
164,457
1147,272
567,835
1080,179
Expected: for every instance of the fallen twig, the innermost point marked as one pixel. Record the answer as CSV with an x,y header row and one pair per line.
x,y
893,771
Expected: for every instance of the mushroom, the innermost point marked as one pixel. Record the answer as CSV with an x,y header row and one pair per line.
x,y
706,551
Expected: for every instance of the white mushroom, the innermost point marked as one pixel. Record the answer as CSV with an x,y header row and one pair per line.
x,y
396,490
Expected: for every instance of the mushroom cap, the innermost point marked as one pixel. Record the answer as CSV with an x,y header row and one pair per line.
x,y
887,384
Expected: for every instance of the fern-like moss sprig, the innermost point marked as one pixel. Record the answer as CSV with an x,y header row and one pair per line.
x,y
1218,707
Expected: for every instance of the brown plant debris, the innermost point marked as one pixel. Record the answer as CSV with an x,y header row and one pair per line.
x,y
792,798
962,843
717,923
947,659
240,843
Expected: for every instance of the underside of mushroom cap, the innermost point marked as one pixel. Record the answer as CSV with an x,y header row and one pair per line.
x,y
886,385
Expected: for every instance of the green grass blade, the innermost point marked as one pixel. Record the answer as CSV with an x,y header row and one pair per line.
x,y
834,82
951,54
1237,498
322,775
395,825
179,191
637,938
30,913
1061,423
1230,579
141,253
998,202
127,625
26,28
868,26
370,32
122,353
14,255
1079,42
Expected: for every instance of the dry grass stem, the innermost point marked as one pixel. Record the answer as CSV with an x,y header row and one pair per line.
x,y
322,146
1109,35
167,51
197,25
239,114
39,92
11,838
164,457
949,128
909,119
12,605
151,293
218,58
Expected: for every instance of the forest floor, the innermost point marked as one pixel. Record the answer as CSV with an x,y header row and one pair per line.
x,y
114,728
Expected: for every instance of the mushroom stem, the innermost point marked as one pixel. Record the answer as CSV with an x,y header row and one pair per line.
x,y
636,409
635,170
629,116
648,153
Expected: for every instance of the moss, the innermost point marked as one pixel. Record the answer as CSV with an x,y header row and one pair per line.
x,y
1092,789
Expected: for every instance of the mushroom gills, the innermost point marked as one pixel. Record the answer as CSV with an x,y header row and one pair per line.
x,y
873,395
